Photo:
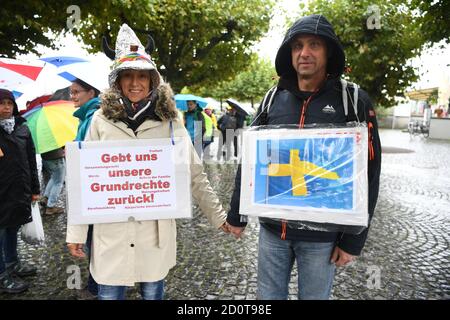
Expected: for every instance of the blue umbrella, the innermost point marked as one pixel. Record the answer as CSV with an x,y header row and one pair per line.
x,y
182,99
60,61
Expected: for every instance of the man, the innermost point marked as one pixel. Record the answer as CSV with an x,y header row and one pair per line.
x,y
231,120
309,62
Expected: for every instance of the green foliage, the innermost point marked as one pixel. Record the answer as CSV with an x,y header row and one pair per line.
x,y
254,82
198,42
24,24
434,19
248,85
378,58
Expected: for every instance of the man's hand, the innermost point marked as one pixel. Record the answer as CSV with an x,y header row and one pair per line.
x,y
35,197
76,250
340,258
236,231
224,227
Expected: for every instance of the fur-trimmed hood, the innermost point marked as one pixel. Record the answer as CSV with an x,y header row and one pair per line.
x,y
165,108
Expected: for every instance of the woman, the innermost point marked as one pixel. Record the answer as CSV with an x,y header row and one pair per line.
x,y
85,98
19,186
138,106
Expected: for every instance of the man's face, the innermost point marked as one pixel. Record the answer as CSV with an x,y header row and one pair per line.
x,y
309,56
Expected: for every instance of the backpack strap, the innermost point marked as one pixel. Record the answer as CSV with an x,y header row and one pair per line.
x,y
272,95
344,96
265,105
346,92
355,98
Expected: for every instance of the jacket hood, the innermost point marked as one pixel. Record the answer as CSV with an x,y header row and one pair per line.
x,y
6,94
165,107
315,24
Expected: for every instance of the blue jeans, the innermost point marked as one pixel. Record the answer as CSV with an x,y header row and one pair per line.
x,y
8,247
57,170
275,261
149,291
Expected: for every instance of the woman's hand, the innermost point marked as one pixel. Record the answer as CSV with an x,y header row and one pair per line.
x,y
76,250
236,231
35,197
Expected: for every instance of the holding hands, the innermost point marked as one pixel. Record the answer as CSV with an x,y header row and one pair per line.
x,y
235,231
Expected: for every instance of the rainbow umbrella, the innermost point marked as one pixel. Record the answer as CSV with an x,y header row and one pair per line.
x,y
52,124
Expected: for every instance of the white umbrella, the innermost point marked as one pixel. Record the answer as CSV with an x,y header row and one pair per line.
x,y
15,73
213,103
94,74
46,83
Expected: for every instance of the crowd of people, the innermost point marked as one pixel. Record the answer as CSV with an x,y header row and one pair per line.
x,y
139,104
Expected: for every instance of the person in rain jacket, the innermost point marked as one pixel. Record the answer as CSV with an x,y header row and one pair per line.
x,y
138,105
195,123
310,62
19,186
85,98
208,136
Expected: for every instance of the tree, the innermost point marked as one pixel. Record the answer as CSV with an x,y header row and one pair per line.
x,y
249,85
434,19
253,83
377,57
25,24
197,41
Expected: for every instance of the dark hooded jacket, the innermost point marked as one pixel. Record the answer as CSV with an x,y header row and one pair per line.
x,y
18,171
287,107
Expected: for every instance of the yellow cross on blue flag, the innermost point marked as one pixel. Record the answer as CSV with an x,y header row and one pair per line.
x,y
306,172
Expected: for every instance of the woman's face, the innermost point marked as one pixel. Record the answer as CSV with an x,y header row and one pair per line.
x,y
6,108
192,105
80,95
135,84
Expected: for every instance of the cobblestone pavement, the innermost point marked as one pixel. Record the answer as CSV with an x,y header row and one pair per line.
x,y
406,254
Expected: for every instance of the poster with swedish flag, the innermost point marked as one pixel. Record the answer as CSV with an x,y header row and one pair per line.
x,y
317,175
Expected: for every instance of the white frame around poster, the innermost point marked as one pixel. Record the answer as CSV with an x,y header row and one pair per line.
x,y
174,159
356,216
